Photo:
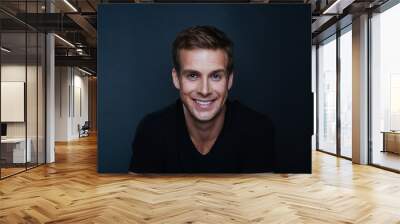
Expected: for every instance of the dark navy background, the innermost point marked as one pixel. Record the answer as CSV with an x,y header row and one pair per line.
x,y
272,71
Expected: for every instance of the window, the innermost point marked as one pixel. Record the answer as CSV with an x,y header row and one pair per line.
x,y
385,88
327,95
346,92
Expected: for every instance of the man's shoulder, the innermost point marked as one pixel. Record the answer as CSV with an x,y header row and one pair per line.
x,y
254,138
247,115
163,117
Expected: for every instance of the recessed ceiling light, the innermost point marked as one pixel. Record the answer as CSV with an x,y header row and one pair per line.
x,y
84,71
337,7
64,40
5,50
70,5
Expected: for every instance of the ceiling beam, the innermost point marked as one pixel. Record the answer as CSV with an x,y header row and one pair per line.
x,y
83,61
86,26
337,6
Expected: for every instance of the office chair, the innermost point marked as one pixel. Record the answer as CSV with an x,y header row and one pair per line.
x,y
84,130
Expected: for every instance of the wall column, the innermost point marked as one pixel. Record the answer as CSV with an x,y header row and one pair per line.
x,y
50,92
360,90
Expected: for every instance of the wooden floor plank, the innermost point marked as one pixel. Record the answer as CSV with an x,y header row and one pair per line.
x,y
71,191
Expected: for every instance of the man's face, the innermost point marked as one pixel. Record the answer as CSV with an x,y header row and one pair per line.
x,y
203,82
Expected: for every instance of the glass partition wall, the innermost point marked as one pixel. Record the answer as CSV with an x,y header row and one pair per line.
x,y
22,88
334,89
385,89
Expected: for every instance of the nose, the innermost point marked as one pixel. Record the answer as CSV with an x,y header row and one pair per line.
x,y
205,87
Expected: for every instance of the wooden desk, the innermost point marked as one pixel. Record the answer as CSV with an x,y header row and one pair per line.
x,y
391,141
13,150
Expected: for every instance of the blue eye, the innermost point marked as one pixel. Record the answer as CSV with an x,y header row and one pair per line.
x,y
192,76
216,76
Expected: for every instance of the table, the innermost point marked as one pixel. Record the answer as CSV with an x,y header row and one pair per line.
x,y
15,148
391,141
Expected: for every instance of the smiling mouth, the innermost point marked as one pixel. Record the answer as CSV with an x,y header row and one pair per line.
x,y
203,103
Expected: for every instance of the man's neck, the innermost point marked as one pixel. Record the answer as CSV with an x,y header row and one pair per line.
x,y
204,134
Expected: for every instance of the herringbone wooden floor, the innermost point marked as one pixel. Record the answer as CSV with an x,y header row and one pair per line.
x,y
70,191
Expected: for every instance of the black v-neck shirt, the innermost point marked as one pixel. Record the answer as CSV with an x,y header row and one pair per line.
x,y
162,143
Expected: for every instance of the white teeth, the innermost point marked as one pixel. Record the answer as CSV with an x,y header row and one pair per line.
x,y
202,102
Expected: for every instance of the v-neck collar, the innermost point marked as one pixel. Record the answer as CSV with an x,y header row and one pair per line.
x,y
184,136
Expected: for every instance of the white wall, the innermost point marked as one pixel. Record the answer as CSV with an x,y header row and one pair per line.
x,y
80,83
33,127
62,81
12,73
71,102
16,73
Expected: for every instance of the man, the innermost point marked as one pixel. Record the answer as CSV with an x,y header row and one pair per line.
x,y
202,131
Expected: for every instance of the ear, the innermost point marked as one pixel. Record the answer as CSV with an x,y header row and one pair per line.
x,y
230,81
175,78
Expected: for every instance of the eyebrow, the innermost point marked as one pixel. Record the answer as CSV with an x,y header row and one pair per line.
x,y
194,71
